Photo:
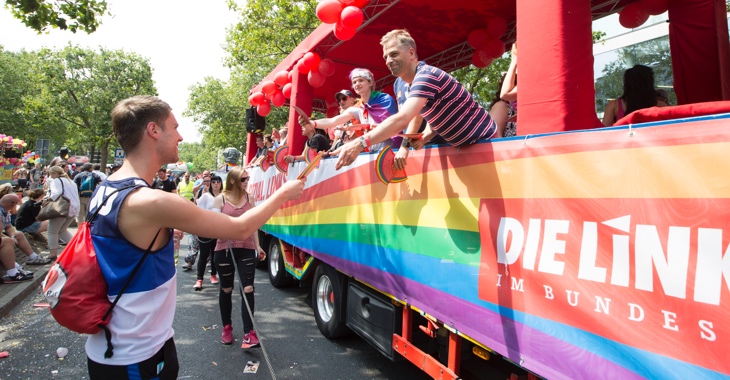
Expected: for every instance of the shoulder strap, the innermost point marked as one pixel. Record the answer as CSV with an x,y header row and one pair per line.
x,y
108,334
106,198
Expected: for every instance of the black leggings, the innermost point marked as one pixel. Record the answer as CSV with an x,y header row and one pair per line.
x,y
206,249
246,262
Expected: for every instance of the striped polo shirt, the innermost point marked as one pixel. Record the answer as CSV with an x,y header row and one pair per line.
x,y
450,109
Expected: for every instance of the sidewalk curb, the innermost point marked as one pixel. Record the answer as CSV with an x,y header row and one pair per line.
x,y
18,292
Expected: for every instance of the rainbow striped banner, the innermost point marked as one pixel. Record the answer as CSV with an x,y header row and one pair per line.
x,y
592,254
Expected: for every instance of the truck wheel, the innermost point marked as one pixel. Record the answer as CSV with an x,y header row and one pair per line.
x,y
329,301
277,272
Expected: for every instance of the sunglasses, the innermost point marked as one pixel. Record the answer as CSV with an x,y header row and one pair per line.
x,y
215,181
206,181
244,179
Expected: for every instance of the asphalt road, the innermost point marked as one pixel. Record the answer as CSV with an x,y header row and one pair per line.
x,y
283,318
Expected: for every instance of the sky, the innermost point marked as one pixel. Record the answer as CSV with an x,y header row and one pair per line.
x,y
183,40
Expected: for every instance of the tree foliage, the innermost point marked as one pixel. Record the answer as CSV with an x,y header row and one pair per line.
x,y
67,95
84,15
201,155
220,106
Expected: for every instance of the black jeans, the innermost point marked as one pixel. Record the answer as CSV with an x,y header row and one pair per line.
x,y
245,260
206,249
165,358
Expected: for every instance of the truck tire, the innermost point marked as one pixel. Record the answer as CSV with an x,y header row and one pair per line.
x,y
278,276
329,301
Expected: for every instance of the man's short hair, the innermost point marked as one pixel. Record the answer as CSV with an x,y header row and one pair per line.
x,y
97,166
162,169
402,36
131,116
87,167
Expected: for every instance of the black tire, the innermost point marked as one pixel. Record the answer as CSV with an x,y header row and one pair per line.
x,y
278,275
329,301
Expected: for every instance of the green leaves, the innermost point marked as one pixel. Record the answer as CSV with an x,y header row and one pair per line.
x,y
74,15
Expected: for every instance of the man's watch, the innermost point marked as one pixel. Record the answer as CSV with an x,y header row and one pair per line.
x,y
363,142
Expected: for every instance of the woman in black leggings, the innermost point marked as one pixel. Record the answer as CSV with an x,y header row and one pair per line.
x,y
207,245
244,254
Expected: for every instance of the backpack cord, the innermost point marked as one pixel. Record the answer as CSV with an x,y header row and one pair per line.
x,y
240,289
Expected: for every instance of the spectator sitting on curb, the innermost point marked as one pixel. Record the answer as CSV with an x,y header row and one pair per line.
x,y
14,273
28,212
6,203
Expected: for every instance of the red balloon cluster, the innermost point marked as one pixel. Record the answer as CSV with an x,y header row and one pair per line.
x,y
273,92
635,14
346,16
486,42
317,69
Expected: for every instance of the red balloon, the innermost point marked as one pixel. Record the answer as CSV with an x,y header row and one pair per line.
x,y
360,3
311,60
264,109
289,76
281,78
478,38
315,78
327,67
278,99
332,112
256,98
496,26
268,87
351,17
494,48
286,90
328,11
342,33
302,67
632,16
655,7
480,59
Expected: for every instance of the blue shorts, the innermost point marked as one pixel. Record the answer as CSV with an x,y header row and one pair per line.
x,y
33,228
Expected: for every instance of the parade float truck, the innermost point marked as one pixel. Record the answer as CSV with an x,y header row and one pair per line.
x,y
567,252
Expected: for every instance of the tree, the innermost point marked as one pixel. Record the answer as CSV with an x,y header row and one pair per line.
x,y
201,155
73,15
84,85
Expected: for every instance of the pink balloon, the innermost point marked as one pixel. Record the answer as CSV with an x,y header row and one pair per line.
x,y
351,17
327,67
328,11
478,38
256,98
278,99
286,90
496,26
632,16
480,59
655,7
311,60
281,78
304,69
315,78
264,109
494,48
268,87
342,33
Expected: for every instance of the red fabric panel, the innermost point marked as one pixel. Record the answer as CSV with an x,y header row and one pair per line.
x,y
301,96
555,72
251,147
676,112
698,38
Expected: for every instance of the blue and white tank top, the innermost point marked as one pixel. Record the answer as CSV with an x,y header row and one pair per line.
x,y
141,322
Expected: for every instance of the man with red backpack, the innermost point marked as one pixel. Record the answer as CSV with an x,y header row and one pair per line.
x,y
135,217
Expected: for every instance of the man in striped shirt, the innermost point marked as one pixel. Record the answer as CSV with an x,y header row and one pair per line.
x,y
449,109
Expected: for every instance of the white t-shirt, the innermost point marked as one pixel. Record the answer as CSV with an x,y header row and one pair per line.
x,y
69,190
206,201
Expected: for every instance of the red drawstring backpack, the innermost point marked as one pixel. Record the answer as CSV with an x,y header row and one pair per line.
x,y
76,289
